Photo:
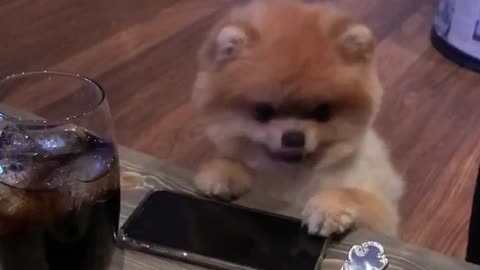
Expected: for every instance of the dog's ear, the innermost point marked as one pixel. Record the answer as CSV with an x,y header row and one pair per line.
x,y
356,43
230,42
225,42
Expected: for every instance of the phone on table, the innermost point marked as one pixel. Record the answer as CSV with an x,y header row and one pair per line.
x,y
219,235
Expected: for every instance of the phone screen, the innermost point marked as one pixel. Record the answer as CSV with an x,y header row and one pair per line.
x,y
225,232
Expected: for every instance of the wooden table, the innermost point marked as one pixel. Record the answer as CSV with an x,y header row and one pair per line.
x,y
142,173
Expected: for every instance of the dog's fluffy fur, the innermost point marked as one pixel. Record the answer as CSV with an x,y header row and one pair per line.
x,y
270,67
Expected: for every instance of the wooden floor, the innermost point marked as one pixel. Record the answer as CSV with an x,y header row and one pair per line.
x,y
142,52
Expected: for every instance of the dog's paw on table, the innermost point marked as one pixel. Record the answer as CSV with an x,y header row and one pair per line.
x,y
224,179
325,216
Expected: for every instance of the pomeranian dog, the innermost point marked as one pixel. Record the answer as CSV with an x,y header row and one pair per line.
x,y
288,91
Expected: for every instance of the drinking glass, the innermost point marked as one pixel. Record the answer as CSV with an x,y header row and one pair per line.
x,y
59,174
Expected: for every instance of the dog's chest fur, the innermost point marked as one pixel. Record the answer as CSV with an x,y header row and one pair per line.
x,y
285,181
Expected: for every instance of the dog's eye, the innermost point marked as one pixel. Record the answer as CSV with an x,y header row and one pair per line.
x,y
264,112
322,112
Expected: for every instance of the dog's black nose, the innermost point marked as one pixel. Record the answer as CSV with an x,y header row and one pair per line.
x,y
293,138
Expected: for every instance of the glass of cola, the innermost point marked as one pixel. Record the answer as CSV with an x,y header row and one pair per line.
x,y
59,174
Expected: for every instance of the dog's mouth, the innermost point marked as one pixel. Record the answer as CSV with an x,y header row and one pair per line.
x,y
290,156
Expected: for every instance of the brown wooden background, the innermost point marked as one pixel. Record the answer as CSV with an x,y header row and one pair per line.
x,y
143,54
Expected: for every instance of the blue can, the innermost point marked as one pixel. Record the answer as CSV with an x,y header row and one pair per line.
x,y
456,32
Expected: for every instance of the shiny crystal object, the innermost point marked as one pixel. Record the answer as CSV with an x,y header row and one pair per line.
x,y
368,256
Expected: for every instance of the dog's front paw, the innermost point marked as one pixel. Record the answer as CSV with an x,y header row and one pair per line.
x,y
325,215
223,178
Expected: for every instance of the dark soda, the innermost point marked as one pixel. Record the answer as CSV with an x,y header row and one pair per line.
x,y
61,211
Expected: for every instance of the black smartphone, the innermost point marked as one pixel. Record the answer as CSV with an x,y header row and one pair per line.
x,y
220,235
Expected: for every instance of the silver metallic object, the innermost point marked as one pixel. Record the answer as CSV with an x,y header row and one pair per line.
x,y
368,256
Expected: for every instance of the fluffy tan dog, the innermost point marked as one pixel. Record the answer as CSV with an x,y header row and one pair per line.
x,y
289,91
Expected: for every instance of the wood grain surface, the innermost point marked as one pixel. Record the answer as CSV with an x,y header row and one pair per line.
x,y
142,52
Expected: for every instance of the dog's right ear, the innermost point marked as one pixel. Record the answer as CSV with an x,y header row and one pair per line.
x,y
356,43
225,43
